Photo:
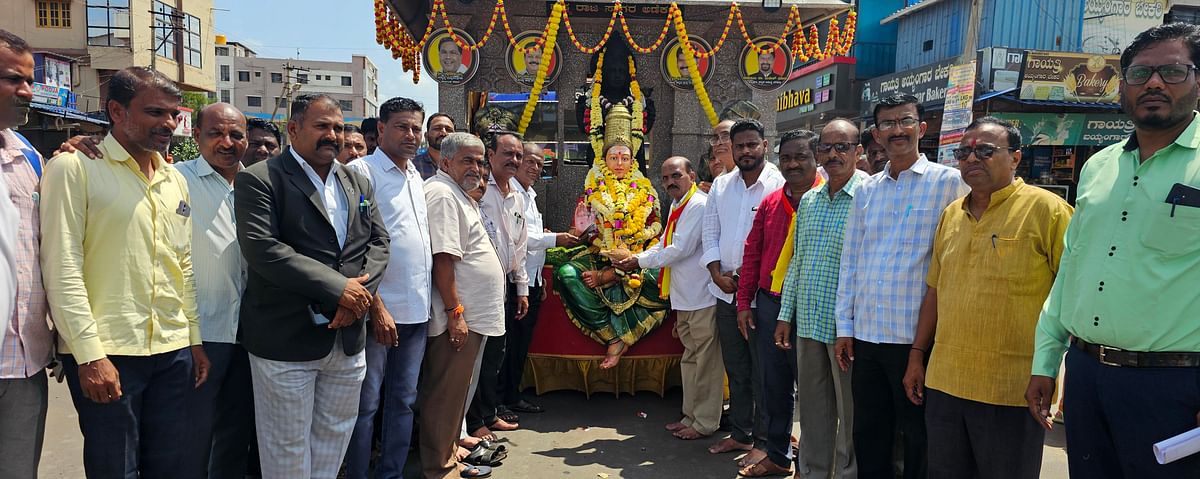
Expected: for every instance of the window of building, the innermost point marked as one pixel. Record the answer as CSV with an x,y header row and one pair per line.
x,y
243,76
255,101
345,81
164,30
302,78
224,73
108,23
347,105
281,102
276,77
257,74
222,51
192,43
225,96
927,46
53,14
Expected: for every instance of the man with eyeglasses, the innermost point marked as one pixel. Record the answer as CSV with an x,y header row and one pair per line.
x,y
722,149
806,316
995,255
876,154
885,256
1126,288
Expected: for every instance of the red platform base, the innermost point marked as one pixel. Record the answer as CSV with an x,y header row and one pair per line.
x,y
562,357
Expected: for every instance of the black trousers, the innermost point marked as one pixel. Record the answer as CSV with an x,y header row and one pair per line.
x,y
880,406
1116,414
487,396
985,441
517,335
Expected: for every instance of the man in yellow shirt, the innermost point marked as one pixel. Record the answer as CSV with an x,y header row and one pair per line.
x,y
116,260
995,255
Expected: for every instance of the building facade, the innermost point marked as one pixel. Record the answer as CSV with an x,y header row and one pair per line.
x,y
261,87
79,44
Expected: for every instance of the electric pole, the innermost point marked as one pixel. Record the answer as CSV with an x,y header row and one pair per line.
x,y
289,88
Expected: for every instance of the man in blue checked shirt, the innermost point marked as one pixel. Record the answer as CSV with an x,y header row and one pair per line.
x,y
889,237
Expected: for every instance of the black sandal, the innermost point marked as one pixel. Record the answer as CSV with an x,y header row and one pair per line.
x,y
506,415
484,456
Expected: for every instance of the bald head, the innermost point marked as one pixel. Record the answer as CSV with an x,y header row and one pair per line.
x,y
220,134
840,125
678,176
223,110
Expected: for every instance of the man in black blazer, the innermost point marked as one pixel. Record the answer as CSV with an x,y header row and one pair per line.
x,y
316,249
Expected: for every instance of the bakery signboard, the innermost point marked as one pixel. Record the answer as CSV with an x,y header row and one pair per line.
x,y
1071,77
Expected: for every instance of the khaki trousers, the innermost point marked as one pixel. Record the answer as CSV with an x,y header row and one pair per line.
x,y
701,368
445,378
822,397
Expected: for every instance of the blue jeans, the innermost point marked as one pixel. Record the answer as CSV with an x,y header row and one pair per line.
x,y
143,433
1115,415
394,369
223,411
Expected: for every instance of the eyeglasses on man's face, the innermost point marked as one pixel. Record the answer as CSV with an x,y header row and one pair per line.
x,y
982,152
719,138
840,147
1170,74
906,122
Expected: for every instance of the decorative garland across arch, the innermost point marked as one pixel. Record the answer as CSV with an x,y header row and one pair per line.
x,y
391,33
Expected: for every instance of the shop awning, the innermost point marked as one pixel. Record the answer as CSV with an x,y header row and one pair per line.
x,y
68,113
992,94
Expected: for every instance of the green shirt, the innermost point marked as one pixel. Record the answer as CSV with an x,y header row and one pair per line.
x,y
1131,267
809,295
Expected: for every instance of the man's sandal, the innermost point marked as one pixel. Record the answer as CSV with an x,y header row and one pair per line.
x,y
764,468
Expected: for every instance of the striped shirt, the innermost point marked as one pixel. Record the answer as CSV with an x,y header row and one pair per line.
x,y
217,262
810,288
885,256
28,345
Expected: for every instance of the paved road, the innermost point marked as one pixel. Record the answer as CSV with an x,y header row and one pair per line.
x,y
580,438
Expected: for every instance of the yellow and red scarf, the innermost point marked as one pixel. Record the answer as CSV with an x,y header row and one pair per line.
x,y
785,255
664,285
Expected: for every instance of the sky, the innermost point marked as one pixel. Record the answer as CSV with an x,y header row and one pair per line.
x,y
319,30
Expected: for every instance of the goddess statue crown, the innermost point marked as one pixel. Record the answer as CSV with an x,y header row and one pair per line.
x,y
618,129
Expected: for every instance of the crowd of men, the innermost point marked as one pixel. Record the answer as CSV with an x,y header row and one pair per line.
x,y
278,312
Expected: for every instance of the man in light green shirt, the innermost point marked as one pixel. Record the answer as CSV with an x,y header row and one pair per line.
x,y
1126,291
116,262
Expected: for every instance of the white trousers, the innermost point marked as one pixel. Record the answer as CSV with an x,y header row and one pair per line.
x,y
305,412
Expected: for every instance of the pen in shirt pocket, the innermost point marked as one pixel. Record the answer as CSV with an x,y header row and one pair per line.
x,y
364,205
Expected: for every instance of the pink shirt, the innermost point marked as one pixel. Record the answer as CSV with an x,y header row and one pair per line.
x,y
28,345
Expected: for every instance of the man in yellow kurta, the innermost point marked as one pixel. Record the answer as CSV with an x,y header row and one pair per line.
x,y
995,255
116,260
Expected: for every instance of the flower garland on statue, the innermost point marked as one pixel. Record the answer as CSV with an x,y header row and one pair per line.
x,y
625,208
543,68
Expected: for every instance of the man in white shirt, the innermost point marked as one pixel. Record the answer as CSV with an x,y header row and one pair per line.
x,y
728,216
687,282
399,316
518,334
503,205
223,407
468,302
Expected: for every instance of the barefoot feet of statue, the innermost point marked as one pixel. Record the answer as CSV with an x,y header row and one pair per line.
x,y
613,354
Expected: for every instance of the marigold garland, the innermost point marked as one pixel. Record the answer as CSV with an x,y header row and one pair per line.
x,y
694,70
391,33
543,67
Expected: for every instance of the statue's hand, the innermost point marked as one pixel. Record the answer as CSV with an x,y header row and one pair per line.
x,y
591,278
